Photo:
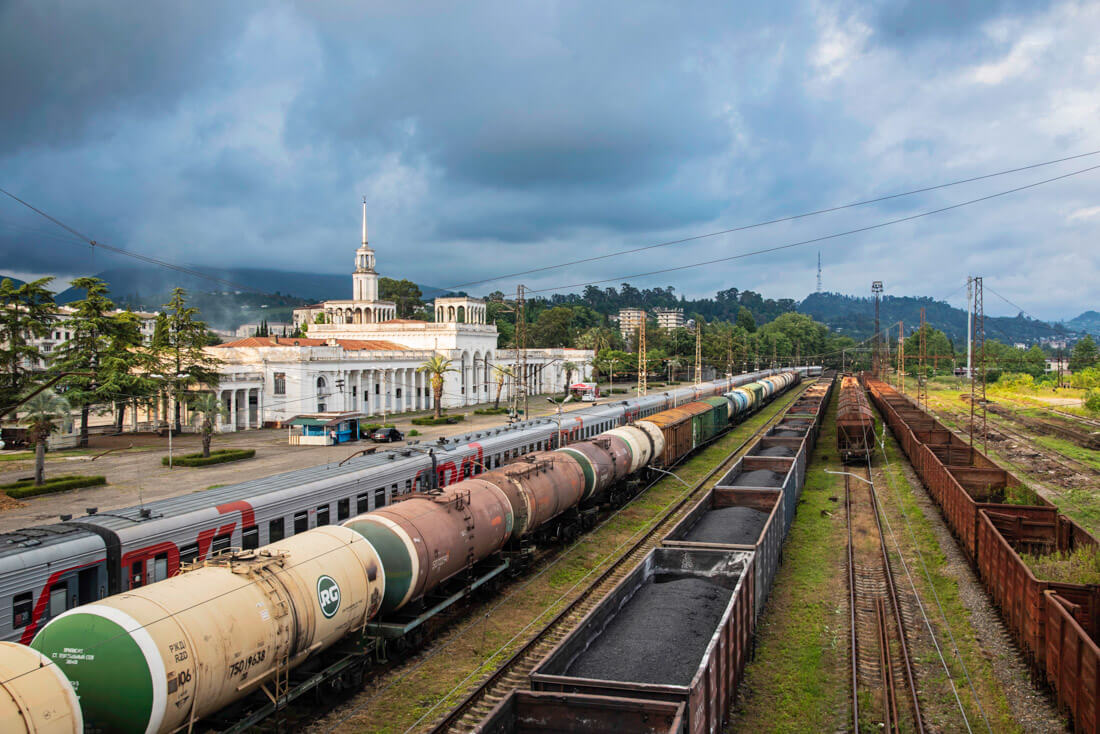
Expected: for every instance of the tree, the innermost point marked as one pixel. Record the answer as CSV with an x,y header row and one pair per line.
x,y
553,328
43,414
103,343
1092,401
437,367
745,319
182,361
404,293
1083,355
207,409
570,368
502,371
27,312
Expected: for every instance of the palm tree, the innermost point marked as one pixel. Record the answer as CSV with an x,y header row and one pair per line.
x,y
207,409
570,368
437,367
502,371
44,412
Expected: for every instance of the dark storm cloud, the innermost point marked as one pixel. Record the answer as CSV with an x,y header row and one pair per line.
x,y
913,21
65,66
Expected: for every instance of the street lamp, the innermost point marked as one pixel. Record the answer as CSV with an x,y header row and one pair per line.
x,y
175,383
559,405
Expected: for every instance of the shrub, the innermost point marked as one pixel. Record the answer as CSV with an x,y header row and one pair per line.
x,y
216,457
1081,566
442,421
1092,401
413,432
491,411
619,391
369,427
26,488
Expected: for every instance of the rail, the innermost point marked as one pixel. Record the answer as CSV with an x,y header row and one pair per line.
x,y
870,589
513,672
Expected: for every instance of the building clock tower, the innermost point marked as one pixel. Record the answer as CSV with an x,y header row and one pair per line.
x,y
365,279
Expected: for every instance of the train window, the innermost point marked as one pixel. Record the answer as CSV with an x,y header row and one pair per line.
x,y
160,567
408,486
250,537
137,574
57,599
275,530
322,515
362,503
380,497
188,554
221,543
393,491
21,606
343,509
301,522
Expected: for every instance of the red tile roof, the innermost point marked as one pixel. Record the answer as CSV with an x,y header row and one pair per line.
x,y
351,345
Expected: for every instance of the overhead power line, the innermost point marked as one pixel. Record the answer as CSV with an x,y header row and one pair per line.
x,y
822,238
136,255
780,220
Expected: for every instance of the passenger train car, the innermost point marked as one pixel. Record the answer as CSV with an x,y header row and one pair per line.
x,y
49,569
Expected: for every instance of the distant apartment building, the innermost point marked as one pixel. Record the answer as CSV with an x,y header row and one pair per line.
x,y
669,318
60,333
1056,365
629,321
274,328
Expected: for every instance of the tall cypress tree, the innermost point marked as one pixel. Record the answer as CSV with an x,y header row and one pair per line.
x,y
27,312
182,361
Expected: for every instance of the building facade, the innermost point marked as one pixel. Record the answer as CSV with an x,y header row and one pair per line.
x,y
629,321
357,356
669,318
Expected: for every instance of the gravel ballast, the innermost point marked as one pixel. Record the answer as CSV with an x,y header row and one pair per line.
x,y
777,451
758,478
733,525
659,636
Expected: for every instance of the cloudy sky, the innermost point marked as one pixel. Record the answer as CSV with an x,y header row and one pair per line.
x,y
495,137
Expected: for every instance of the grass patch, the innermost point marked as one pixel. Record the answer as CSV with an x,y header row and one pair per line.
x,y
445,420
25,487
1088,457
1081,566
491,411
219,456
16,456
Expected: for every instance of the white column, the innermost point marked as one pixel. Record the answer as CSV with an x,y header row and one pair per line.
x,y
233,409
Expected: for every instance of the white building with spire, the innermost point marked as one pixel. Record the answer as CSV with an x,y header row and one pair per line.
x,y
357,355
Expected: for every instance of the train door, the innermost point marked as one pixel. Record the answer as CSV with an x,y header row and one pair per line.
x,y
87,585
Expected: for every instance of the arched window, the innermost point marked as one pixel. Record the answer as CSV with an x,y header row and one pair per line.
x,y
462,314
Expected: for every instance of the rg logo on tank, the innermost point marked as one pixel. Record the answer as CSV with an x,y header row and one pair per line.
x,y
328,595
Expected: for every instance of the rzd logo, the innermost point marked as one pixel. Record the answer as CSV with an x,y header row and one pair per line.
x,y
328,594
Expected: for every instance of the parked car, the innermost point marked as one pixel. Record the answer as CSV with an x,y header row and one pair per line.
x,y
386,435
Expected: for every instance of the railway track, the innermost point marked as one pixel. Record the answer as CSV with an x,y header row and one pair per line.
x,y
514,672
1075,417
882,669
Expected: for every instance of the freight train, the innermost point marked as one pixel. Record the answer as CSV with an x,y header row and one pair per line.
x,y
49,569
160,656
855,423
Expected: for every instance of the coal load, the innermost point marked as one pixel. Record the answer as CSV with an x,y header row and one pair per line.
x,y
777,451
788,434
758,478
731,525
659,637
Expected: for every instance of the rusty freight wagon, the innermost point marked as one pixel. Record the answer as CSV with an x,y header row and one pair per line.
x,y
678,628
855,423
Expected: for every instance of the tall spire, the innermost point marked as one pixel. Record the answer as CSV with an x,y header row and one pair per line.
x,y
364,221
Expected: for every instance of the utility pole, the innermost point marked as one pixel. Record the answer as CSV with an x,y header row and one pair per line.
x,y
643,375
977,383
521,343
698,351
969,325
922,383
901,356
876,348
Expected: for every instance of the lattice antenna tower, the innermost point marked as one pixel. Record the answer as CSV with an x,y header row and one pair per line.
x,y
901,356
819,271
643,371
922,379
698,351
876,346
977,376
